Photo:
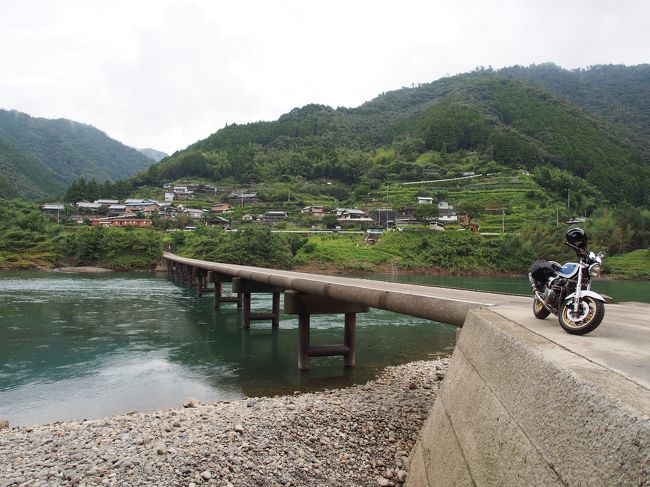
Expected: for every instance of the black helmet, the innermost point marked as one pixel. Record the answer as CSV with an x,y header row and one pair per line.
x,y
577,237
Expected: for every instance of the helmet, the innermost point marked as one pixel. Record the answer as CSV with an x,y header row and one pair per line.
x,y
577,237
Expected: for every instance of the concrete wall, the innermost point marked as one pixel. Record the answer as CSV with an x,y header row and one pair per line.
x,y
517,409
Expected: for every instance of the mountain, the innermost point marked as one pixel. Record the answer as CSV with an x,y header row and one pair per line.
x,y
154,154
39,157
591,123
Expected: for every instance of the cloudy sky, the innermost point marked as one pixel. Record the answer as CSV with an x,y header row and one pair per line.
x,y
165,73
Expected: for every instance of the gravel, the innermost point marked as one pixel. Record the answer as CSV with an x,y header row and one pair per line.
x,y
358,436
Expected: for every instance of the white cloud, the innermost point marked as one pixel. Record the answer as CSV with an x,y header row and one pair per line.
x,y
166,73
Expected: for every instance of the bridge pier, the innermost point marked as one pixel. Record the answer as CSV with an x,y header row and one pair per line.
x,y
219,298
304,305
245,288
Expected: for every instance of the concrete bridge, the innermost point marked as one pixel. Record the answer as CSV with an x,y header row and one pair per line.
x,y
523,403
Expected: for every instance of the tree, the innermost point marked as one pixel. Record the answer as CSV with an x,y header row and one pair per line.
x,y
471,209
426,212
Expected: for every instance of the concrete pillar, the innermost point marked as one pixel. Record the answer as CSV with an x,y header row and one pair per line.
x,y
304,305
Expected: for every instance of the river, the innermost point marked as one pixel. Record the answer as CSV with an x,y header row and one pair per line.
x,y
76,346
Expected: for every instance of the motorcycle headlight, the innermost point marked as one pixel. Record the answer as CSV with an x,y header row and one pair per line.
x,y
595,270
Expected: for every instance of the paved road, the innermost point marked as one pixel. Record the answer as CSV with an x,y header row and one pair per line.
x,y
621,343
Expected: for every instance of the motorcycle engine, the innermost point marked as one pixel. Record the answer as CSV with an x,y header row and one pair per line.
x,y
549,295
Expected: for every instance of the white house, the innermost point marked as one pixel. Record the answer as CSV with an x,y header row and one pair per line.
x,y
425,200
194,214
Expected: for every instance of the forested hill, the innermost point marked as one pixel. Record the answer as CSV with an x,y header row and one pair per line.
x,y
40,157
521,117
154,154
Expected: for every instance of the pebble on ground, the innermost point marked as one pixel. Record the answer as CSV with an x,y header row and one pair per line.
x,y
357,436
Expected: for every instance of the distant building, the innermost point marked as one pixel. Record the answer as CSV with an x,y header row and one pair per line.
x,y
447,215
115,210
243,197
169,196
217,221
183,193
53,208
121,222
425,200
354,215
271,216
87,206
194,214
221,207
317,211
107,202
444,205
141,206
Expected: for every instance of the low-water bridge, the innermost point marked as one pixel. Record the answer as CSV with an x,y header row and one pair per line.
x,y
523,403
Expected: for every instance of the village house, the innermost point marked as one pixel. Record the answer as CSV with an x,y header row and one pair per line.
x,y
144,206
217,221
106,202
352,214
242,197
116,209
447,215
183,193
194,214
425,200
221,208
53,208
317,211
121,222
86,206
272,216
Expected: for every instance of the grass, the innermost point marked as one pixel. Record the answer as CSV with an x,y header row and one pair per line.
x,y
635,264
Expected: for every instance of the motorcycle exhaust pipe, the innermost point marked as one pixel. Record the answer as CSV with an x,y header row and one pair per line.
x,y
532,282
541,300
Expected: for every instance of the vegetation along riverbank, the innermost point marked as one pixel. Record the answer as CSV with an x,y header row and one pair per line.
x,y
30,239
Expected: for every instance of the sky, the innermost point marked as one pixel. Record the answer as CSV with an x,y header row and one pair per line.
x,y
166,73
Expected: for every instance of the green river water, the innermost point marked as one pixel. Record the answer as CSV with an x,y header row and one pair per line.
x,y
76,346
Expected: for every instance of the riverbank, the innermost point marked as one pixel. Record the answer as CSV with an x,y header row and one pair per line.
x,y
358,436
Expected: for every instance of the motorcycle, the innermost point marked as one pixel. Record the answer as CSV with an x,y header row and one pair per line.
x,y
565,290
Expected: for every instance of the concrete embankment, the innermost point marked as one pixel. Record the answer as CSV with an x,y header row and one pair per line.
x,y
518,409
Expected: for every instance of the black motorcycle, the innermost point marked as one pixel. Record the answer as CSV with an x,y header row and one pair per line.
x,y
565,290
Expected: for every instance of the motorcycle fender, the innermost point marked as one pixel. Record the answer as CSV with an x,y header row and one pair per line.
x,y
591,294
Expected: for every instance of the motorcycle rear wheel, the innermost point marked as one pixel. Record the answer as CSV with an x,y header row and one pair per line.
x,y
594,316
539,310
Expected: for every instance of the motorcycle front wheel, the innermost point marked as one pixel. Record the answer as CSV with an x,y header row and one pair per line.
x,y
539,310
590,314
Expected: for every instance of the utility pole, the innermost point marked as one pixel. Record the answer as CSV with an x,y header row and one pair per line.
x,y
568,197
386,206
503,220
